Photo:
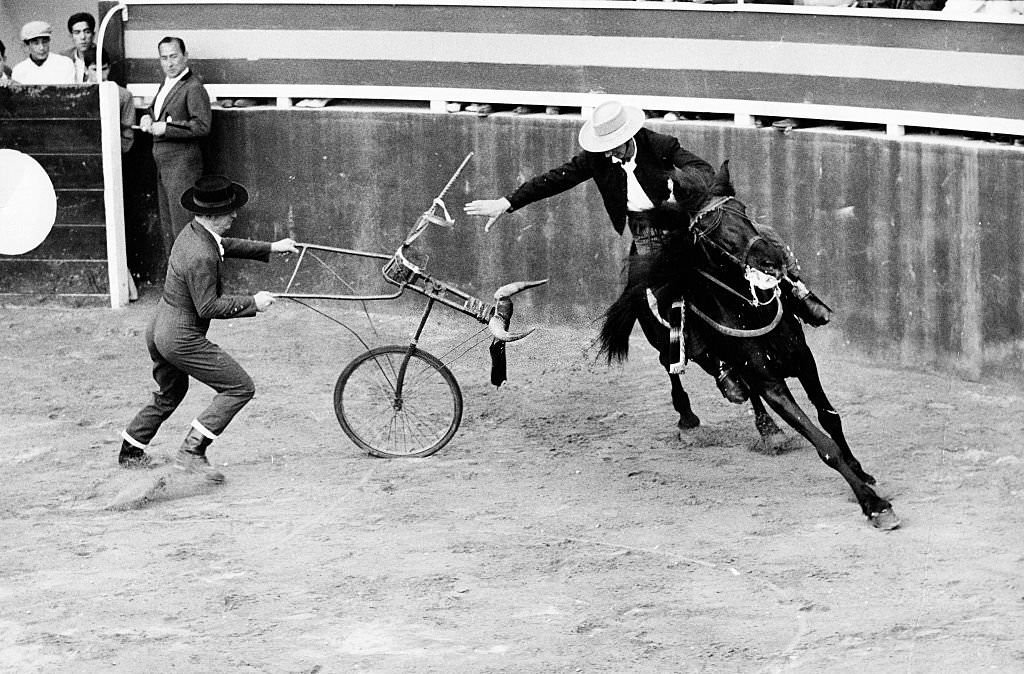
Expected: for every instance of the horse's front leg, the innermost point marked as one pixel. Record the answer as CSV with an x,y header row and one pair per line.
x,y
827,415
681,403
874,507
771,439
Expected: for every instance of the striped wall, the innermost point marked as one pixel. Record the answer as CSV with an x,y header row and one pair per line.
x,y
882,67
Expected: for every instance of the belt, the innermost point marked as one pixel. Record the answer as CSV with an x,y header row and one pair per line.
x,y
647,238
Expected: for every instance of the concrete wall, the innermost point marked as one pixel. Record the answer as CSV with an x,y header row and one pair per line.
x,y
915,241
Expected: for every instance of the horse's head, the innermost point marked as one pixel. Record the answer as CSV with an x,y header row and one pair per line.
x,y
719,237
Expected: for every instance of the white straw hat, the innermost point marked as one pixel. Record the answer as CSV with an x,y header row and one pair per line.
x,y
611,125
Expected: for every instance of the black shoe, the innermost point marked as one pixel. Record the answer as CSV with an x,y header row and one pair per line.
x,y
131,456
734,390
813,311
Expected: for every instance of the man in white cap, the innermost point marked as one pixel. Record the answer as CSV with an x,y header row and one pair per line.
x,y
42,67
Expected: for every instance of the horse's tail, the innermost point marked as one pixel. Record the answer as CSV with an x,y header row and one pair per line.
x,y
618,325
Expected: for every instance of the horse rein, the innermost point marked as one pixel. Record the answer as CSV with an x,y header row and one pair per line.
x,y
739,332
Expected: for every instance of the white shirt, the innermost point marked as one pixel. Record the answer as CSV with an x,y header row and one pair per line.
x,y
161,95
56,69
636,199
216,237
80,69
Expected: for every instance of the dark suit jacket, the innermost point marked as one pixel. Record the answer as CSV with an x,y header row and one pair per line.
x,y
193,282
186,103
657,155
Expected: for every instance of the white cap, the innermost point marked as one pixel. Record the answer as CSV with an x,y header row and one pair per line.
x,y
34,29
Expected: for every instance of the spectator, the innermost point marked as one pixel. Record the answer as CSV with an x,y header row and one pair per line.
x,y
42,67
987,7
127,104
127,108
82,27
179,120
932,5
5,70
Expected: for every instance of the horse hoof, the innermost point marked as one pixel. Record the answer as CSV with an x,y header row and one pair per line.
x,y
688,421
868,479
775,444
885,520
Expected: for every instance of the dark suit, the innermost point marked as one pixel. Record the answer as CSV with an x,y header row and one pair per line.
x,y
176,337
178,153
657,155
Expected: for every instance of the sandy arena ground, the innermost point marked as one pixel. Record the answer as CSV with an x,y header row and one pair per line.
x,y
567,528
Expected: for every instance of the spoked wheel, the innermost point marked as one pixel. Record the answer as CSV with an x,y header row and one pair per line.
x,y
394,403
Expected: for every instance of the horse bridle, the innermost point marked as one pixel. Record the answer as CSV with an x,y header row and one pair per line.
x,y
715,205
712,206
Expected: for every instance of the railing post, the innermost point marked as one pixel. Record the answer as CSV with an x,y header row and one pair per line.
x,y
113,193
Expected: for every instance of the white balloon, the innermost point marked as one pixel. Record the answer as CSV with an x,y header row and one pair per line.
x,y
28,204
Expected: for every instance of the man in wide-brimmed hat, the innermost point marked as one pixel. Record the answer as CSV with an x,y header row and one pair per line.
x,y
633,168
176,337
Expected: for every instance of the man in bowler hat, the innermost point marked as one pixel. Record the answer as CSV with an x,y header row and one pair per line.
x,y
176,337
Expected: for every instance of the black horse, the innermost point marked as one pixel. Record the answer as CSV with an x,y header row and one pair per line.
x,y
734,315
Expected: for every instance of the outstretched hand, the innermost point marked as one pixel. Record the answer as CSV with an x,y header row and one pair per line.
x,y
284,246
263,300
490,208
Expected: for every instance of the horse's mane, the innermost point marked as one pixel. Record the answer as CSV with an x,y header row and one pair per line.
x,y
690,191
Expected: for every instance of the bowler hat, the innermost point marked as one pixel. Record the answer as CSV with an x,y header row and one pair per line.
x,y
611,125
34,29
214,195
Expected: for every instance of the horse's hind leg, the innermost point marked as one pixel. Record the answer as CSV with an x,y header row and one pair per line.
x,y
681,403
827,415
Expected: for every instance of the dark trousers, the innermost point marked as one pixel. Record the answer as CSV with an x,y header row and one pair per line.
x,y
179,349
178,167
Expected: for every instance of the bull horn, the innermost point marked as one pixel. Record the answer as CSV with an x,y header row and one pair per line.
x,y
511,289
503,335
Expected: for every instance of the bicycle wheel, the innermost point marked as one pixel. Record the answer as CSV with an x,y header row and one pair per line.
x,y
414,419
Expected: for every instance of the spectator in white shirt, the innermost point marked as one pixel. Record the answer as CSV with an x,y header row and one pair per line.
x,y
42,67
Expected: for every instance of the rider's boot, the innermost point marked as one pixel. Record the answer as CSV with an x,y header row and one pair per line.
x,y
731,386
191,458
808,307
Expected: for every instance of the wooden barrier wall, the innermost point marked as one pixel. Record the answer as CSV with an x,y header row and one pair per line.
x,y
916,242
60,128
